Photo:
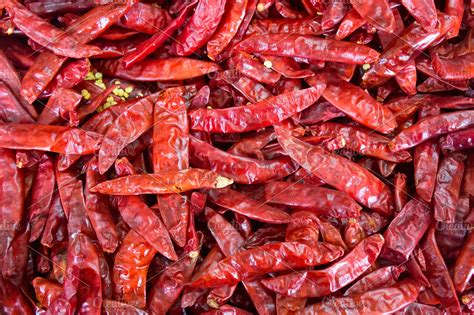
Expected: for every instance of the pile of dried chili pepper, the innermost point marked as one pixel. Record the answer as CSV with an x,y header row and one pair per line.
x,y
236,157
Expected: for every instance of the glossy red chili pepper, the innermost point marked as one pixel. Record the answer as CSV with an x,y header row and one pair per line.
x,y
357,104
69,76
424,12
61,106
145,18
460,140
271,258
431,127
377,13
305,26
306,46
448,186
255,116
322,282
382,277
438,275
401,191
253,68
338,172
200,28
321,201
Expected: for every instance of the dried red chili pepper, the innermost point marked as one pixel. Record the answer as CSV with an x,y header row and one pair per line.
x,y
338,172
323,282
255,116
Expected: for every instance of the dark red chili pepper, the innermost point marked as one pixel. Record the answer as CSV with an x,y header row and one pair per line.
x,y
338,172
460,140
305,46
255,116
323,282
200,28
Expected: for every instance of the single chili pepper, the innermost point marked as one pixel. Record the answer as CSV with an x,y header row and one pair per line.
x,y
145,18
401,191
200,28
431,127
460,140
306,46
240,203
377,13
382,277
77,219
251,89
240,169
405,231
322,282
438,275
255,116
233,16
425,66
41,196
251,146
46,34
82,289
170,151
357,104
405,47
167,69
334,13
448,186
64,140
55,226
61,106
424,12
426,159
401,294
10,78
349,24
148,46
321,201
455,9
459,68
338,172
353,233
321,111
168,287
267,258
162,183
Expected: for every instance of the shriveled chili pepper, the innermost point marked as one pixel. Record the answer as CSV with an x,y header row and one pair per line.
x,y
401,191
379,278
322,282
459,140
61,107
448,186
306,46
200,28
255,116
267,258
338,172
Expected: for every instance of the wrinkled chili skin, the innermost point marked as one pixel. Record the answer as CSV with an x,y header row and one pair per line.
x,y
306,46
323,164
255,116
463,268
459,140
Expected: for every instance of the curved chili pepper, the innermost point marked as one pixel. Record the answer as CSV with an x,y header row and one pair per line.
x,y
306,46
322,282
267,258
438,275
338,172
199,29
64,140
431,127
402,49
48,35
162,183
255,116
240,203
321,201
168,287
233,16
401,294
148,46
356,103
405,231
41,196
448,187
240,169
